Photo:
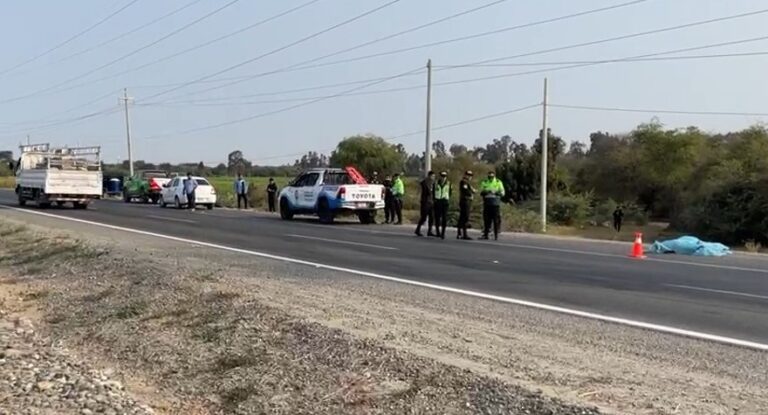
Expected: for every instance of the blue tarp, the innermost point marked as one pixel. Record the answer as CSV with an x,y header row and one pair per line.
x,y
690,245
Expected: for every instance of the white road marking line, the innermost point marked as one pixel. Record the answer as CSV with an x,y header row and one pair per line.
x,y
336,241
562,310
689,287
168,218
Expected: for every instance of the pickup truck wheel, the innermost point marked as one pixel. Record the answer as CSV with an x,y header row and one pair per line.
x,y
209,206
22,200
126,197
365,217
285,211
324,212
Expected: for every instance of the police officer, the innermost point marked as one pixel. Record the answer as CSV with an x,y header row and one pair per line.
x,y
442,201
271,195
427,204
492,190
466,194
398,193
389,201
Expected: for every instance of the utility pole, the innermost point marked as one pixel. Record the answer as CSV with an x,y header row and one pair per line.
x,y
125,100
28,140
428,149
544,160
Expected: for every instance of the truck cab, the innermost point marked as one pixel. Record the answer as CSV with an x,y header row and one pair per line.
x,y
329,193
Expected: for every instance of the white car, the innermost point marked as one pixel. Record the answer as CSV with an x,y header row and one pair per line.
x,y
173,193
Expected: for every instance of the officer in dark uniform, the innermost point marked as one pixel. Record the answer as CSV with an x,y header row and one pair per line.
x,y
466,194
389,201
427,204
271,194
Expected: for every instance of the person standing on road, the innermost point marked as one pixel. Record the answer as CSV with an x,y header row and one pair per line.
x,y
618,218
442,202
466,195
492,190
190,185
398,193
271,194
389,201
427,204
241,190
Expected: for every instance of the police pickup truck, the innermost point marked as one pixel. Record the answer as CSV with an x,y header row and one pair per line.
x,y
328,193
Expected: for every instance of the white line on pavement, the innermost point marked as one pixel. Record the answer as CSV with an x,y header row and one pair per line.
x,y
336,241
168,218
688,287
562,310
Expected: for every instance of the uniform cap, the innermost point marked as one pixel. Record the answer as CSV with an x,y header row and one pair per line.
x,y
443,174
469,173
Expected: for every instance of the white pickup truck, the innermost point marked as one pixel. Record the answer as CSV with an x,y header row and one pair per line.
x,y
48,175
328,193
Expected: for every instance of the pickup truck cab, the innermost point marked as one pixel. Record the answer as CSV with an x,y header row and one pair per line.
x,y
146,186
328,193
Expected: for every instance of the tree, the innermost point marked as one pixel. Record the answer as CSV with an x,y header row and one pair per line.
x,y
236,163
312,160
457,150
498,151
368,153
438,147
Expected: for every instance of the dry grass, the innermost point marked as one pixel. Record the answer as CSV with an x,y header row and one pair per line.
x,y
7,182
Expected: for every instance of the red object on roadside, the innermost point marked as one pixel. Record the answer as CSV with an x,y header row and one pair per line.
x,y
153,185
355,175
637,247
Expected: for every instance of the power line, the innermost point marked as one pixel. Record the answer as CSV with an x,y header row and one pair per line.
x,y
360,45
123,57
650,59
280,49
130,32
70,39
196,47
289,108
623,37
105,112
307,64
660,111
226,101
581,65
438,128
67,111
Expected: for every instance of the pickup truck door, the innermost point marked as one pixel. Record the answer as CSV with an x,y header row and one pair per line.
x,y
308,190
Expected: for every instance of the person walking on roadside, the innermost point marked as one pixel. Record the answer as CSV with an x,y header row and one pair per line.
x,y
427,204
492,190
442,202
190,185
241,190
398,193
271,194
466,195
618,218
389,201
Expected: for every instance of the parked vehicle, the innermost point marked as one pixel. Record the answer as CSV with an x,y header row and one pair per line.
x,y
173,193
146,186
46,175
328,193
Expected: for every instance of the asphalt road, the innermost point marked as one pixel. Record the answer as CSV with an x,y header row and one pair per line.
x,y
719,296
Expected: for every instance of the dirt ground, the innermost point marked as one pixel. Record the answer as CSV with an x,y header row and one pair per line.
x,y
193,330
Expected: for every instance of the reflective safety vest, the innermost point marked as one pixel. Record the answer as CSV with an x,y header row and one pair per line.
x,y
492,186
443,191
398,188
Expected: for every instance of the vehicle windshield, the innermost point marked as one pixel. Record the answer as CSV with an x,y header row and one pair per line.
x,y
202,182
337,178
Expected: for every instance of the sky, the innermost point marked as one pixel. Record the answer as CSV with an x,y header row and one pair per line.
x,y
65,64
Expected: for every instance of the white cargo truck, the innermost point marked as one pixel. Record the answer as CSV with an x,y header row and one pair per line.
x,y
47,175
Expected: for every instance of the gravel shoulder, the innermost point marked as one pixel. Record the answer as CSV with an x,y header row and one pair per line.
x,y
192,330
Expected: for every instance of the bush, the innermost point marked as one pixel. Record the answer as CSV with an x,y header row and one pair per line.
x,y
569,210
514,219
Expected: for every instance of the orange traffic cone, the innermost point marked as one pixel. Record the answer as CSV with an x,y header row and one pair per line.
x,y
637,247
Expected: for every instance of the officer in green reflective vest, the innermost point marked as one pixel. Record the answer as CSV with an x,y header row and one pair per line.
x,y
492,190
398,192
442,200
